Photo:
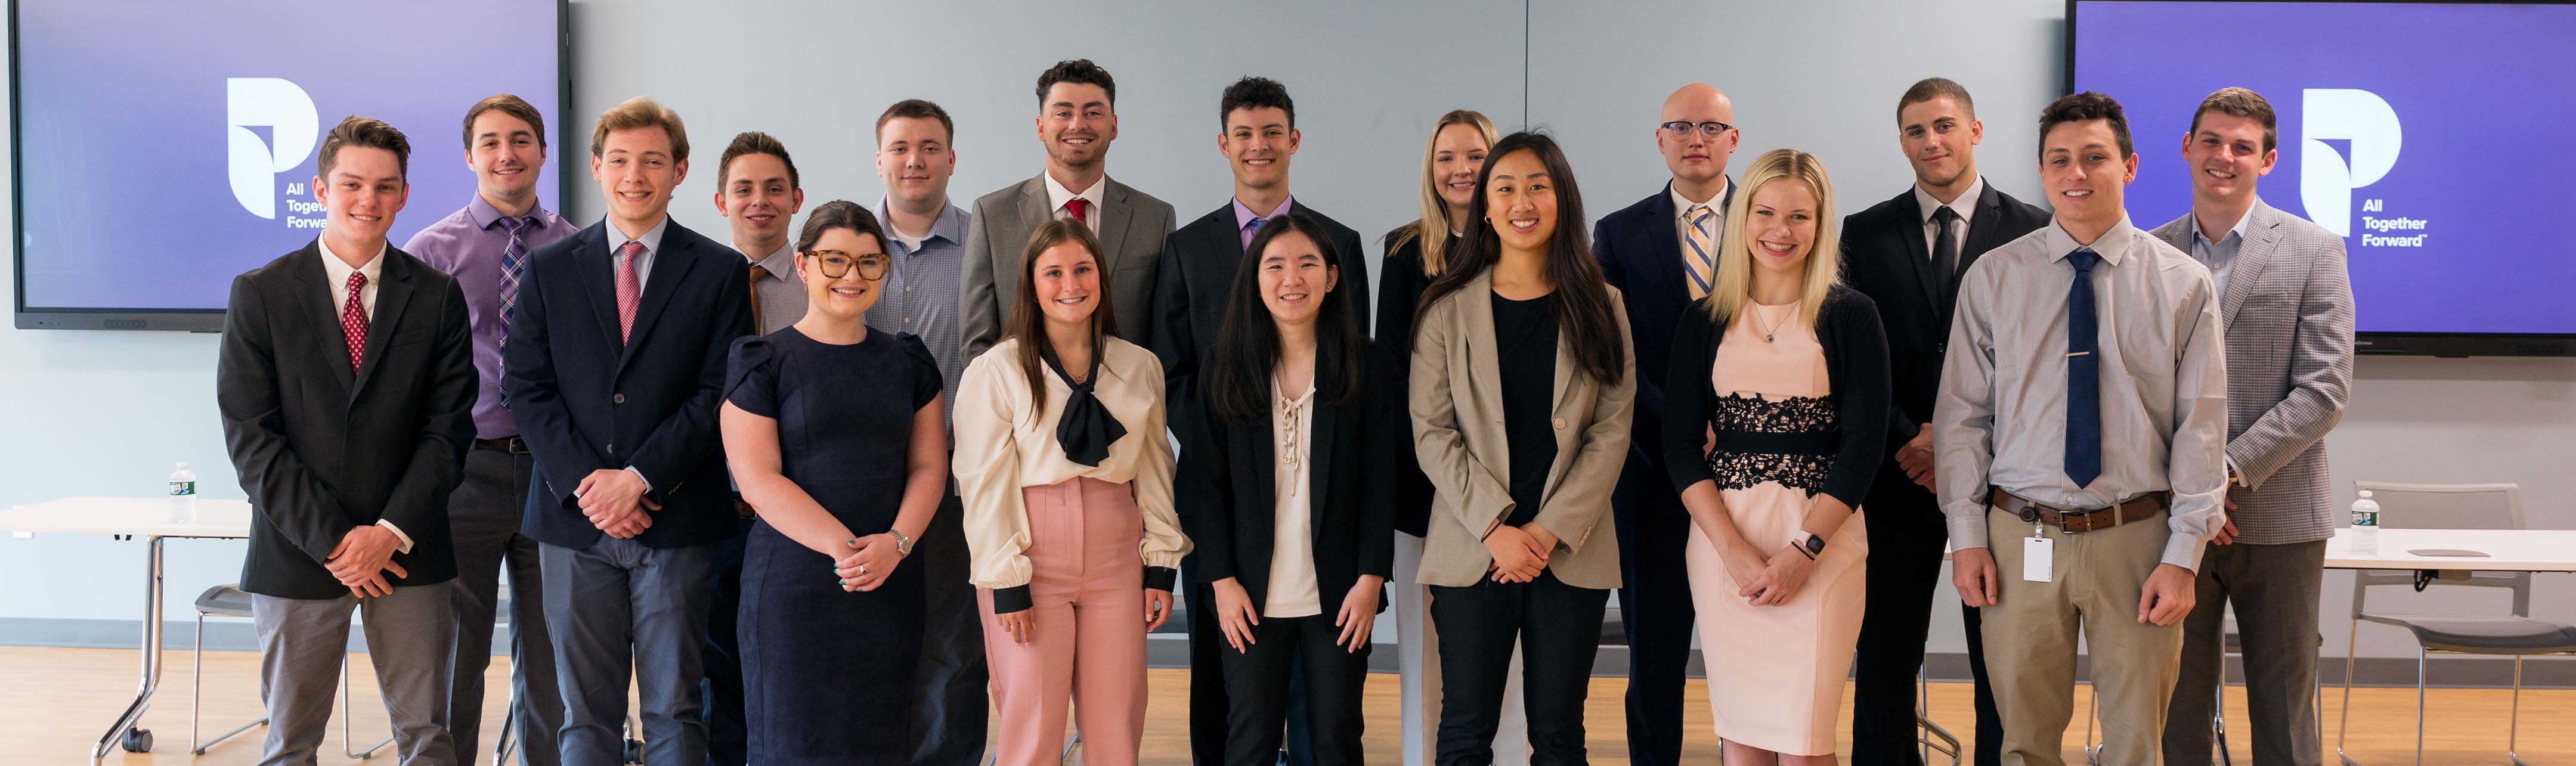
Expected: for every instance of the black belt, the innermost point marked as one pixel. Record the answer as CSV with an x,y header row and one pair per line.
x,y
510,444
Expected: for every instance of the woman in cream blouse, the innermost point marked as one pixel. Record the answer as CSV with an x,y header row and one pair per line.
x,y
1066,477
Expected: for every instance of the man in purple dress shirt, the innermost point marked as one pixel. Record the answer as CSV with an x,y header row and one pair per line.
x,y
485,247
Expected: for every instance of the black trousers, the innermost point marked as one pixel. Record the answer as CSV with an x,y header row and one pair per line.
x,y
728,738
1559,629
1906,537
949,709
1210,713
1654,608
1257,680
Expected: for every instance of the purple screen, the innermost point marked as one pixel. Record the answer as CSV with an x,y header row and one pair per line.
x,y
2428,133
166,146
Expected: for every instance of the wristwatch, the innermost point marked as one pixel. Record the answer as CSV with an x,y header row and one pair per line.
x,y
1808,544
902,542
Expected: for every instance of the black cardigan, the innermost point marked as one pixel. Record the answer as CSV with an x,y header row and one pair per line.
x,y
1399,293
1224,488
1855,370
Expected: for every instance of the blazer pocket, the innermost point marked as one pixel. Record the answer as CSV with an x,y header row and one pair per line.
x,y
408,336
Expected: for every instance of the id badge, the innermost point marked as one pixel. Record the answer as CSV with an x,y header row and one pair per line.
x,y
2038,559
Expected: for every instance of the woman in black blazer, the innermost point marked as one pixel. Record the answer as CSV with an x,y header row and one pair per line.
x,y
1285,492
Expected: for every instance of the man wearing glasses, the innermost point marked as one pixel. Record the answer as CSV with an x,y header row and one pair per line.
x,y
1662,254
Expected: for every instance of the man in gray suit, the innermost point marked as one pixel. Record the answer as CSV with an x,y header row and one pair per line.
x,y
2282,285
1076,121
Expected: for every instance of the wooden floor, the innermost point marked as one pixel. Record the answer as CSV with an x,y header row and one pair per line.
x,y
55,702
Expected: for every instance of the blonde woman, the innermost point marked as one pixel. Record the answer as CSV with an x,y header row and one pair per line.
x,y
1787,369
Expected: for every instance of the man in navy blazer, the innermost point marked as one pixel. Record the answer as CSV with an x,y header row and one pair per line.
x,y
613,369
1907,254
1661,253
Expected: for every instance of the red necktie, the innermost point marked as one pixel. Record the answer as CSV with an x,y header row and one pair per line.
x,y
629,288
353,319
1078,206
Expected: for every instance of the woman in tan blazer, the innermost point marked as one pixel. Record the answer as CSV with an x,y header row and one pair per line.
x,y
1522,378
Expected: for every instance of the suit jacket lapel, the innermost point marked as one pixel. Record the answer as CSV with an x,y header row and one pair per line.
x,y
597,273
324,315
393,291
1484,352
671,269
1265,482
1664,252
1112,215
2252,255
1918,260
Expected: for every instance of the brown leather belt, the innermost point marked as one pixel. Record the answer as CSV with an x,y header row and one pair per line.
x,y
2081,521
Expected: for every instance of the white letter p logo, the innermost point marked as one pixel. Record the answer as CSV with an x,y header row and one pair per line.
x,y
2326,178
287,112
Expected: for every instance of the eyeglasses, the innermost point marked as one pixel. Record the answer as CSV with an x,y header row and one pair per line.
x,y
835,264
1710,129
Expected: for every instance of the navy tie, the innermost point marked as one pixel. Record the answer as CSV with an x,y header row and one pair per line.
x,y
2083,376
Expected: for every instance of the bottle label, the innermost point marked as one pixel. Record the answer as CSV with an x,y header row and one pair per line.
x,y
183,488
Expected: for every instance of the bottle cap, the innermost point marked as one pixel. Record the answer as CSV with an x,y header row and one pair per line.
x,y
2365,493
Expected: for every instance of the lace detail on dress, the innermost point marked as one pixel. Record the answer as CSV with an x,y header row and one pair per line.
x,y
1743,420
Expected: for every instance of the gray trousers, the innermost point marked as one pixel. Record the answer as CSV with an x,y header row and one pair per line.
x,y
411,638
618,606
483,522
949,707
2274,590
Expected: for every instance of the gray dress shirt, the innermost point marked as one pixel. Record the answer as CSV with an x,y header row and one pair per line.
x,y
782,295
2000,419
922,287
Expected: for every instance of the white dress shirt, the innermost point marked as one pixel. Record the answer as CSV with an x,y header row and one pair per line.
x,y
337,272
1965,206
1057,196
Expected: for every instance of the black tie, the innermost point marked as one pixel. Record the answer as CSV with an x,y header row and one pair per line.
x,y
2083,378
1945,257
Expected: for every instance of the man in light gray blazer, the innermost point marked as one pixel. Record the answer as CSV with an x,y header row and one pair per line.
x,y
2286,302
1076,121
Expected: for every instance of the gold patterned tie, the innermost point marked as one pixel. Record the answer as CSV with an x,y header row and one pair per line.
x,y
757,274
1701,263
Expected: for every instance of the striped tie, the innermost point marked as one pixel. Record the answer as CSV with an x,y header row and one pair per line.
x,y
1703,268
514,262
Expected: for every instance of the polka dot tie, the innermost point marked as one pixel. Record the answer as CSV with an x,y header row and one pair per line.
x,y
353,319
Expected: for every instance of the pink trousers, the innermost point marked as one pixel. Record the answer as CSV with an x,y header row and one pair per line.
x,y
1088,648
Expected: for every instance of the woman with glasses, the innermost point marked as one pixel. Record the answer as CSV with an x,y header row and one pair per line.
x,y
835,436
1066,472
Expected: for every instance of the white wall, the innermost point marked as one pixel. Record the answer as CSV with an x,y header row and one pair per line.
x,y
106,413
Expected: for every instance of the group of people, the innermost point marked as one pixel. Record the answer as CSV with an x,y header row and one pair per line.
x,y
1749,417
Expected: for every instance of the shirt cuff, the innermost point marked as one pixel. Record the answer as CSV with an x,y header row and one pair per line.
x,y
1161,578
1012,599
405,547
1968,530
2183,549
639,476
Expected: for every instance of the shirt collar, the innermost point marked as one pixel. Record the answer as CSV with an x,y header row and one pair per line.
x,y
2112,245
1716,203
1057,195
781,264
2237,232
339,271
652,238
1965,205
1243,214
486,216
950,226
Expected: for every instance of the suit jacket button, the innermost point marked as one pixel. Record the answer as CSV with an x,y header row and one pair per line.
x,y
619,399
612,449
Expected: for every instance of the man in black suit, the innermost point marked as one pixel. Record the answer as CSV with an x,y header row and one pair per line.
x,y
1258,134
614,369
1907,254
1661,253
346,384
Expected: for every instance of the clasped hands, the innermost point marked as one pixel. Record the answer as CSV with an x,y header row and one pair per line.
x,y
614,500
1520,553
362,558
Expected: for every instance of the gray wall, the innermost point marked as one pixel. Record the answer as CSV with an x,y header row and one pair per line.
x,y
106,413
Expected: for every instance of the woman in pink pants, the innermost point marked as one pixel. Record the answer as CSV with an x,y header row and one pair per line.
x,y
1067,480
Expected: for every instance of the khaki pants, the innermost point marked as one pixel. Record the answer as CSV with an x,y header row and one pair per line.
x,y
2031,633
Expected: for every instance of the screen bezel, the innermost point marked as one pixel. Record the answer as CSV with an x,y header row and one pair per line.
x,y
2450,344
175,319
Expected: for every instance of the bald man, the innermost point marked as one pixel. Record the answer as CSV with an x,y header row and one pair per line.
x,y
1661,253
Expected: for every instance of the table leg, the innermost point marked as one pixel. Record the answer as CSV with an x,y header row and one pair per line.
x,y
151,658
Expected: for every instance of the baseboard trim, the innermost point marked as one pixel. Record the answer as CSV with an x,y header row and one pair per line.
x,y
1172,650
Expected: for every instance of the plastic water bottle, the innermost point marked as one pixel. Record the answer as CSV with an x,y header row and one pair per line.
x,y
183,494
2365,525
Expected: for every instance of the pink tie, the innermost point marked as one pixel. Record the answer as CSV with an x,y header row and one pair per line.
x,y
353,319
628,289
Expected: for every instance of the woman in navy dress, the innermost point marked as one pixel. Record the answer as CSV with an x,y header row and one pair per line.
x,y
835,437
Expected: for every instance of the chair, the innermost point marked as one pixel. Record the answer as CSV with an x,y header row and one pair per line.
x,y
2454,506
232,601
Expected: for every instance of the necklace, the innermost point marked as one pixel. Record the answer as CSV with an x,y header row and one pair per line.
x,y
1773,326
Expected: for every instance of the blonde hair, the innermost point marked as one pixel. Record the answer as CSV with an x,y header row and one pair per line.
x,y
1434,226
640,112
1734,286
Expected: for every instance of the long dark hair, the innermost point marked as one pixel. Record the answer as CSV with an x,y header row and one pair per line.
x,y
1026,322
1247,347
1582,298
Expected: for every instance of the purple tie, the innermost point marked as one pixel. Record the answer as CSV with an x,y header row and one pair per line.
x,y
514,262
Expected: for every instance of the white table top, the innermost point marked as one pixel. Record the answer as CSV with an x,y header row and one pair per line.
x,y
2508,550
144,516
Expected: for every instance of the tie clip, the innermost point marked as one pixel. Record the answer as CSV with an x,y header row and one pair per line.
x,y
2077,353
